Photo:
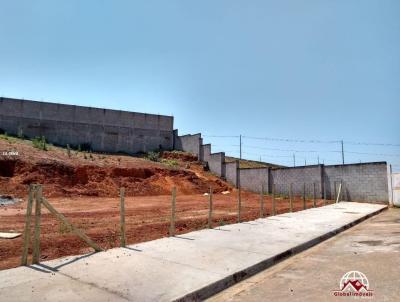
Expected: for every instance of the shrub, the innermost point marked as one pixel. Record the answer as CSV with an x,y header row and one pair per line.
x,y
153,156
40,143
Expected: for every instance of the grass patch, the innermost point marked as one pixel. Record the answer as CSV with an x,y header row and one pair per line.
x,y
153,156
170,162
40,143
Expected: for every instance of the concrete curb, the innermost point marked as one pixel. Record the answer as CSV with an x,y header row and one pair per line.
x,y
241,275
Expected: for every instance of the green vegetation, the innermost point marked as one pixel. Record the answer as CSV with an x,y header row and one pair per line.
x,y
153,156
4,136
40,143
170,162
156,157
8,138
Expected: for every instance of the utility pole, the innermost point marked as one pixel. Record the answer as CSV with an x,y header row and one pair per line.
x,y
305,162
294,160
318,159
240,144
342,154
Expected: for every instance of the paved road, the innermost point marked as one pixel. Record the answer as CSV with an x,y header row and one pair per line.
x,y
372,247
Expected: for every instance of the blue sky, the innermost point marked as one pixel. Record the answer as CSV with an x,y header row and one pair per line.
x,y
309,70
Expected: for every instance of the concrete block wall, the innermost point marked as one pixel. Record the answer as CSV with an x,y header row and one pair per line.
x,y
191,143
231,172
206,152
105,130
299,177
252,179
217,164
361,182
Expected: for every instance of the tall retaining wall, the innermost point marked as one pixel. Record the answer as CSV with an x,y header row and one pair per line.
x,y
366,181
231,172
103,129
217,164
299,178
253,179
190,143
360,182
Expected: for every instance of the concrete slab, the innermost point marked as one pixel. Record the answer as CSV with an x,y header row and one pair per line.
x,y
372,247
192,266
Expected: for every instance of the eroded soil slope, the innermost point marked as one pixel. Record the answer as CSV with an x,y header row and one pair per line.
x,y
76,173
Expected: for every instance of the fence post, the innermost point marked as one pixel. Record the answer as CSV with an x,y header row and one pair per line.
x,y
27,229
173,201
304,196
239,205
290,198
315,196
122,213
262,201
210,208
340,191
273,200
36,238
325,192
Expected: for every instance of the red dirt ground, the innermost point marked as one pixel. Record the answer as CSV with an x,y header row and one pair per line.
x,y
86,192
147,218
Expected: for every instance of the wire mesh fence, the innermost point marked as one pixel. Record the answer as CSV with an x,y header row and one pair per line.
x,y
124,220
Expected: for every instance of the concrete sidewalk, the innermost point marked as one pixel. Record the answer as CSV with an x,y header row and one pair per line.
x,y
192,266
372,247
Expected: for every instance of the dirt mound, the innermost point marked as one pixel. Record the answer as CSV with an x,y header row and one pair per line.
x,y
63,179
76,173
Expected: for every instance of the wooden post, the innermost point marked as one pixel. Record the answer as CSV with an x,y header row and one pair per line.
x,y
325,192
239,205
210,208
36,236
173,203
304,197
315,196
273,200
262,201
27,229
71,227
339,192
122,213
290,198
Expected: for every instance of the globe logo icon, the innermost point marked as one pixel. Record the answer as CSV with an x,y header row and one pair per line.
x,y
354,281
